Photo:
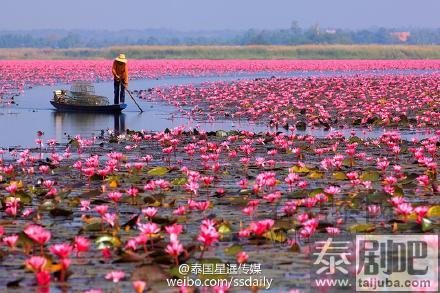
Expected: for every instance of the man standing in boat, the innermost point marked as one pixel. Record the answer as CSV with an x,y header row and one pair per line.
x,y
120,75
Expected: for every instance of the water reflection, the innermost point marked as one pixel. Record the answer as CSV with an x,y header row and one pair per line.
x,y
119,122
68,123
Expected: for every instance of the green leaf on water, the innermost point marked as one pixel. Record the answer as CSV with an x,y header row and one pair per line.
x,y
398,191
276,234
158,171
426,225
91,193
93,224
316,191
339,176
245,192
362,228
298,169
370,176
355,139
233,249
315,175
377,197
25,198
348,162
179,181
60,212
434,211
175,272
107,241
134,178
224,229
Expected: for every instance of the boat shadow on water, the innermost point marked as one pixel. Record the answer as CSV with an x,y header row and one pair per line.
x,y
72,123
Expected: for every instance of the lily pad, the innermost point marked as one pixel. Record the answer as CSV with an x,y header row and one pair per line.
x,y
158,171
340,176
370,176
276,234
362,228
60,212
434,211
107,241
233,249
179,181
298,169
224,229
315,175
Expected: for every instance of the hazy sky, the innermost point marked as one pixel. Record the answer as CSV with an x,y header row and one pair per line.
x,y
220,14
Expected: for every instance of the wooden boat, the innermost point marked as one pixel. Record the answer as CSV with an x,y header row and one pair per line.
x,y
82,98
116,108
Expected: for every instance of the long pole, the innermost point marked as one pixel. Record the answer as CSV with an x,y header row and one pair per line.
x,y
140,109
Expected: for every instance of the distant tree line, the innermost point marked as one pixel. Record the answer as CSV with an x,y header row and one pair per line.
x,y
295,35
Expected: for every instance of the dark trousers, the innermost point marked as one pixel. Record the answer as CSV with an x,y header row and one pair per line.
x,y
119,92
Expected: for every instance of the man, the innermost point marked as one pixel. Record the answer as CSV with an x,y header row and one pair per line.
x,y
120,75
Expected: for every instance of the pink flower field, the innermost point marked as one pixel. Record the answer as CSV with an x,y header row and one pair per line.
x,y
120,212
17,75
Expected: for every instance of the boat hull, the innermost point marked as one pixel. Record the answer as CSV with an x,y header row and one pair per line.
x,y
97,109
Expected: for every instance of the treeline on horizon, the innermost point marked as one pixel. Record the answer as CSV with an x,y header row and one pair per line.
x,y
295,35
230,52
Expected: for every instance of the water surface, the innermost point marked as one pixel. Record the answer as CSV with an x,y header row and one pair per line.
x,y
33,112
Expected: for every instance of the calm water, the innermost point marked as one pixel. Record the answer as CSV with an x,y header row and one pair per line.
x,y
33,111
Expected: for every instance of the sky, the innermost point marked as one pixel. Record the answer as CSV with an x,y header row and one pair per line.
x,y
189,15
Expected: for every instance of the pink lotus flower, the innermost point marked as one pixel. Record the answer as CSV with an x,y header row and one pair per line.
x,y
404,209
243,184
10,241
208,233
260,227
139,286
61,250
396,200
82,244
48,183
44,169
149,212
174,229
373,210
37,233
115,276
202,205
36,263
43,278
115,196
302,217
421,212
101,209
179,211
423,180
12,188
110,218
307,232
12,206
149,229
332,190
132,191
174,249
242,257
272,197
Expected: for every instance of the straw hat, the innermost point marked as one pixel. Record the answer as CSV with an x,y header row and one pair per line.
x,y
121,58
